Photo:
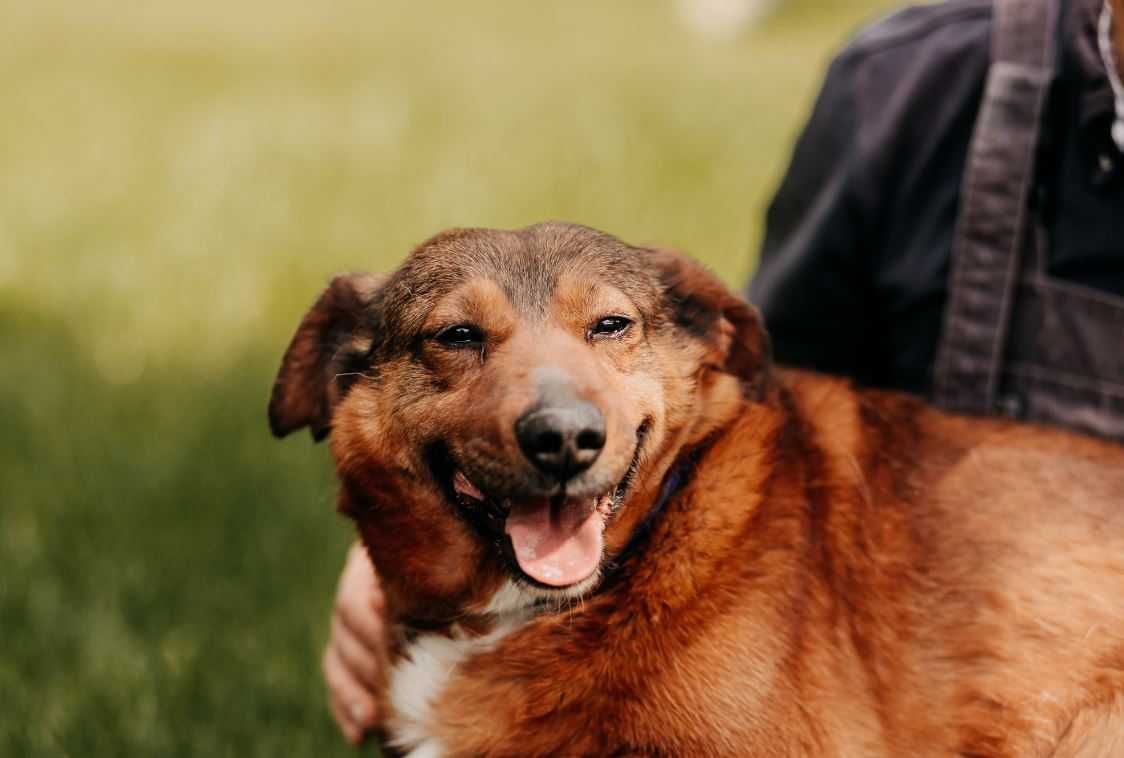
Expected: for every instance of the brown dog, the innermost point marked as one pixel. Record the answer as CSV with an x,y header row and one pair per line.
x,y
607,526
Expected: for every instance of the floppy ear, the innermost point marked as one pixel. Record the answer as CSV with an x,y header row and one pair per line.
x,y
332,337
703,306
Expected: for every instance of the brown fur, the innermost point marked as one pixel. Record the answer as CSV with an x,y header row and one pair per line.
x,y
845,572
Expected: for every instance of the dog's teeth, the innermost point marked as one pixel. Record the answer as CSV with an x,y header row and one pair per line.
x,y
466,488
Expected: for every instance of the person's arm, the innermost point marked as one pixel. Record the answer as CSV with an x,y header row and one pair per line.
x,y
811,283
350,659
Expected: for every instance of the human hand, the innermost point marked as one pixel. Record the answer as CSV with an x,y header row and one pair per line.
x,y
351,661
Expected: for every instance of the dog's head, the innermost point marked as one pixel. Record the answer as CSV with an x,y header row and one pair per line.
x,y
505,404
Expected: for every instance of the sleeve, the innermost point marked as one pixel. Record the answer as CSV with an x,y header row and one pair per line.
x,y
810,284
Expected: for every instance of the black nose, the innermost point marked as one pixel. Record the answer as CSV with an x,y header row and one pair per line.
x,y
563,440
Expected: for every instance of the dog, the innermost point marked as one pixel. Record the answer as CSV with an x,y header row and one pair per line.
x,y
606,524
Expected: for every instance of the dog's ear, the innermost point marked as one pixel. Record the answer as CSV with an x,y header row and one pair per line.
x,y
332,339
703,306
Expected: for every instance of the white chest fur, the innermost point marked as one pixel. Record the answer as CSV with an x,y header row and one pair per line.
x,y
422,674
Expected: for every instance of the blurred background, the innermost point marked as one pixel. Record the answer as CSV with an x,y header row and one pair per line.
x,y
179,180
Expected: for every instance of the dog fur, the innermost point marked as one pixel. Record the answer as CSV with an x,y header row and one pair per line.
x,y
838,572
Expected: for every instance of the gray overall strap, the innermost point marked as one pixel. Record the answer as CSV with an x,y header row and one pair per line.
x,y
993,219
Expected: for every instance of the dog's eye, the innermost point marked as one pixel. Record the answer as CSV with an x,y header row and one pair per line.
x,y
610,326
461,335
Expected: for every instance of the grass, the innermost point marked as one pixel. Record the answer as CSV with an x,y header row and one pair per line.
x,y
177,180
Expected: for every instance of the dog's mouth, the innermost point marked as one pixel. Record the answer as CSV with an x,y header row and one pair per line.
x,y
553,542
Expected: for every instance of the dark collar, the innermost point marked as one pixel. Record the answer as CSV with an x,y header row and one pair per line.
x,y
677,477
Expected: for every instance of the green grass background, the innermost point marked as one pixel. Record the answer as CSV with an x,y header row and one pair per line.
x,y
177,181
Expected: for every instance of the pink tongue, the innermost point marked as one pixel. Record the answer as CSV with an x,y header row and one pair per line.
x,y
558,547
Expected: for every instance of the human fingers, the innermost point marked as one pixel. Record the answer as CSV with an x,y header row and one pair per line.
x,y
353,706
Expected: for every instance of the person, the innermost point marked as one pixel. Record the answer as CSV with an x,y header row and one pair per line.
x,y
951,224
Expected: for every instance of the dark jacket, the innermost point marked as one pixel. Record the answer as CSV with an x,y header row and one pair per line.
x,y
853,274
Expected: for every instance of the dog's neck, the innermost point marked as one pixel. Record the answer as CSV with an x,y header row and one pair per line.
x,y
749,511
674,481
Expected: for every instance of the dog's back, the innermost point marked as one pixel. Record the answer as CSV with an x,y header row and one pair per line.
x,y
970,571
